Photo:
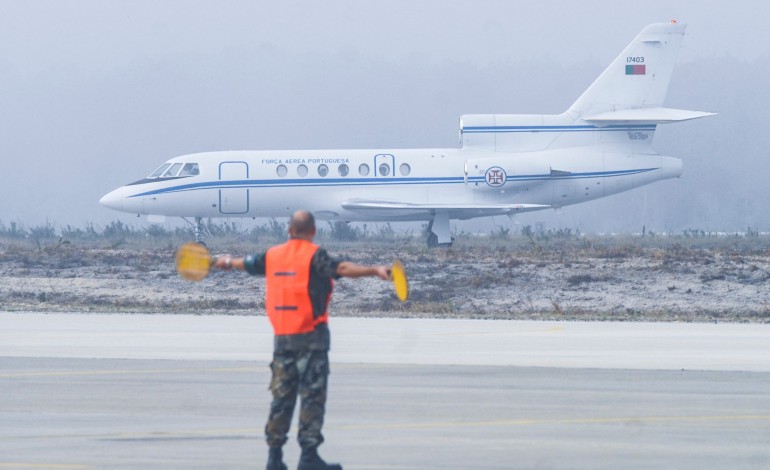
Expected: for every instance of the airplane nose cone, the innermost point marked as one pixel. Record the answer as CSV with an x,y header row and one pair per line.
x,y
113,199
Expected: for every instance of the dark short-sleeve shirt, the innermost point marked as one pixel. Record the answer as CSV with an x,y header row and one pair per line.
x,y
323,269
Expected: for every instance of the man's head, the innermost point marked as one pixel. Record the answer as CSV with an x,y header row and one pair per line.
x,y
302,225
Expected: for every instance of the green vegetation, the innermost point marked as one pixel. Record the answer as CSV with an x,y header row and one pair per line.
x,y
234,235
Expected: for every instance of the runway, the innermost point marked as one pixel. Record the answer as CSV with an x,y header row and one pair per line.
x,y
177,391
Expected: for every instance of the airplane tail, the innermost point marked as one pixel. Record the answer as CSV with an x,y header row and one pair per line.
x,y
638,77
621,107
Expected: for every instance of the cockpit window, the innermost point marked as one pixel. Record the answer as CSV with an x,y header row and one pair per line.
x,y
172,171
190,169
159,171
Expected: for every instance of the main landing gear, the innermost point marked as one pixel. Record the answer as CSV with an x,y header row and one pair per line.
x,y
438,230
200,229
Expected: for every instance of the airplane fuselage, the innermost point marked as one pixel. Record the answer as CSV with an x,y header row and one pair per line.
x,y
276,183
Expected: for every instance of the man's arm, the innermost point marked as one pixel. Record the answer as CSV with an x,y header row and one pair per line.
x,y
251,264
229,262
349,269
326,266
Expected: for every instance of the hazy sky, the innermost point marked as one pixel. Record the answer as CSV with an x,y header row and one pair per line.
x,y
95,94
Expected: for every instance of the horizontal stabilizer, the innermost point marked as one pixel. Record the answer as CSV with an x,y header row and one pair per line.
x,y
645,116
455,211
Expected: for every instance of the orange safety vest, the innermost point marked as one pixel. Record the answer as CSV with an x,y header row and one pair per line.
x,y
288,298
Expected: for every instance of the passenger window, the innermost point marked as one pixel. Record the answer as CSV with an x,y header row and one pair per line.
x,y
302,170
343,170
190,169
363,169
323,170
173,170
160,170
281,170
384,169
405,169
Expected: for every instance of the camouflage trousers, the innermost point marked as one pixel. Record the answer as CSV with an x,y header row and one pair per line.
x,y
304,373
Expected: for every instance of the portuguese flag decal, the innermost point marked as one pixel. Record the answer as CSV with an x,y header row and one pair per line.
x,y
636,69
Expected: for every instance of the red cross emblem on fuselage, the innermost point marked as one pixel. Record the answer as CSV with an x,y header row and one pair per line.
x,y
495,176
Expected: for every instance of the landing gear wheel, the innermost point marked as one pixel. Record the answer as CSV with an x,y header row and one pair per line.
x,y
432,240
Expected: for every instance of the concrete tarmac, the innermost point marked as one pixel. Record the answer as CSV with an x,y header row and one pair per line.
x,y
183,392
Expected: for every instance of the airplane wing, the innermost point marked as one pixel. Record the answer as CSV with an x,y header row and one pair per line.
x,y
426,211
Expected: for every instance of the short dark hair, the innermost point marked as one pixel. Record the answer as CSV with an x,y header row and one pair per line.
x,y
302,222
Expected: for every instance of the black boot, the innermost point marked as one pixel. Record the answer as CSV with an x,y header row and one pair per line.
x,y
275,459
310,460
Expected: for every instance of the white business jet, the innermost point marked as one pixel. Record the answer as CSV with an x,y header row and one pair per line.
x,y
508,163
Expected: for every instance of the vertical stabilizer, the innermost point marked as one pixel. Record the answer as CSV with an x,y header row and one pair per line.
x,y
638,77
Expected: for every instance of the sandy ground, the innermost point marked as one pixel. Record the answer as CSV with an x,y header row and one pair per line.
x,y
575,280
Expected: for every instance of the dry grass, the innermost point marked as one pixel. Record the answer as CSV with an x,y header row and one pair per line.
x,y
558,276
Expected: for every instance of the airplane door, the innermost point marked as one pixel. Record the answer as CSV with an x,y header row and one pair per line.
x,y
384,165
233,198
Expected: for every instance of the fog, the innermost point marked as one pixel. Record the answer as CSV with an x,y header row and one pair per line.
x,y
96,94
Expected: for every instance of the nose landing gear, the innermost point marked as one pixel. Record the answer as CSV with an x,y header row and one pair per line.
x,y
200,229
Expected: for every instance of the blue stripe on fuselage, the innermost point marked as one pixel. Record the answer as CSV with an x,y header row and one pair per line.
x,y
381,181
616,127
593,174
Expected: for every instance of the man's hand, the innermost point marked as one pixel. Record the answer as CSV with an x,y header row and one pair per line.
x,y
383,272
